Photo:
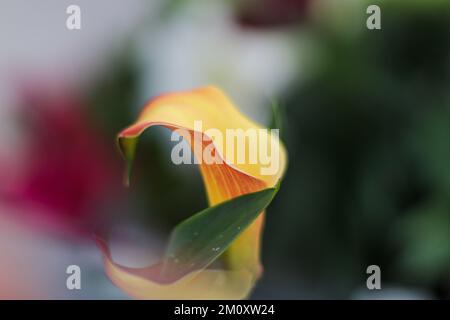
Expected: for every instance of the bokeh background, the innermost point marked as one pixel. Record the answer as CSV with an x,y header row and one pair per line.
x,y
365,116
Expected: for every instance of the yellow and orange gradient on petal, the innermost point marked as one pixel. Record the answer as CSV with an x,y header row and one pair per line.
x,y
223,181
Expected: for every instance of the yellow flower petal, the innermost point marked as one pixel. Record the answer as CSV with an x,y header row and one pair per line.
x,y
222,181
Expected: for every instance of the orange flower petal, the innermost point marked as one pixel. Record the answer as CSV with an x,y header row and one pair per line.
x,y
223,181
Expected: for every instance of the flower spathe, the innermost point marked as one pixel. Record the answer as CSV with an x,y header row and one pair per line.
x,y
223,181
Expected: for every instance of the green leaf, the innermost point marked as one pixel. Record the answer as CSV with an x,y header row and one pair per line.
x,y
199,240
276,121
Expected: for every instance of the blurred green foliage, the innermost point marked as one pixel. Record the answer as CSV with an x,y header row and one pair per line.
x,y
368,136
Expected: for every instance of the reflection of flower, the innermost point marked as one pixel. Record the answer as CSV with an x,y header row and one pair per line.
x,y
222,182
69,170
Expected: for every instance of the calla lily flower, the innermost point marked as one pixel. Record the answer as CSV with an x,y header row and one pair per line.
x,y
231,187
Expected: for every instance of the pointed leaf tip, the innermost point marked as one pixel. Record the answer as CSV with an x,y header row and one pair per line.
x,y
199,240
127,147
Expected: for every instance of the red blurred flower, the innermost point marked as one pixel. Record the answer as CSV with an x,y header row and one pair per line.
x,y
267,13
69,171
